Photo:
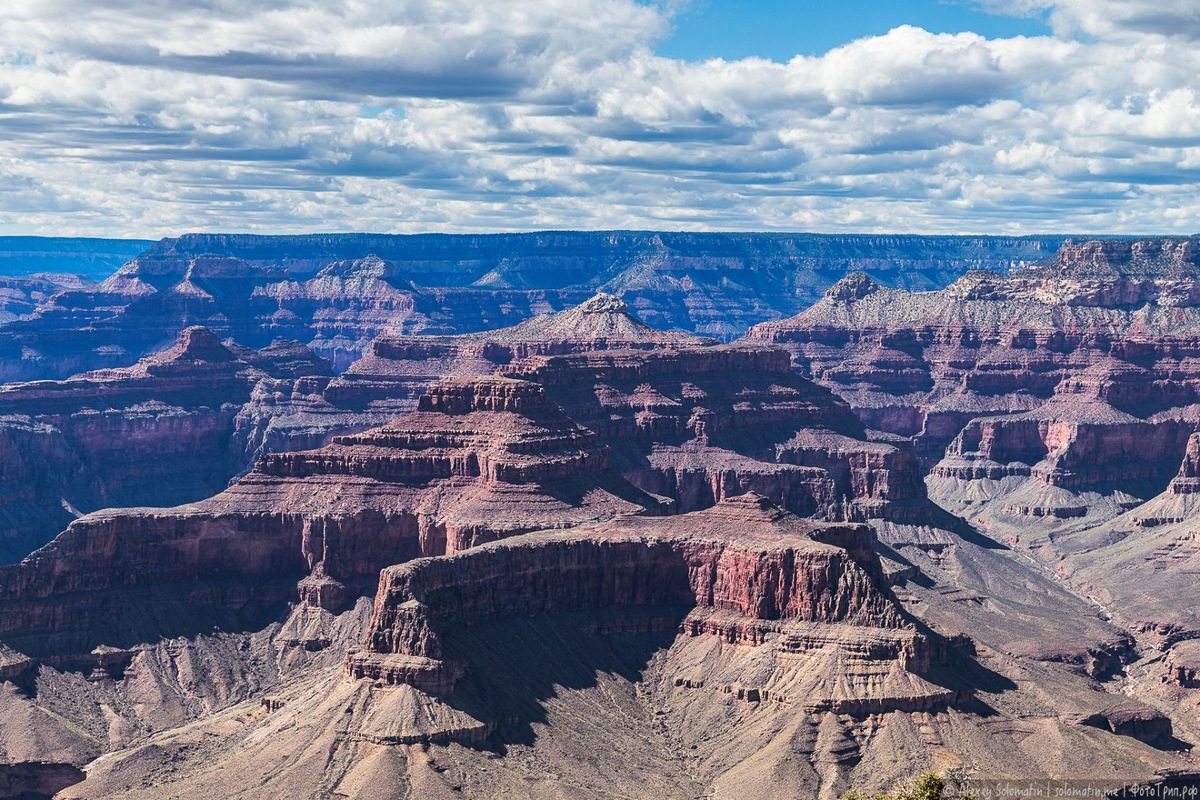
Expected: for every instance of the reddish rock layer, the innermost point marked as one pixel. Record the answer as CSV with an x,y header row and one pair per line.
x,y
397,367
679,420
158,432
743,556
337,292
484,459
1117,320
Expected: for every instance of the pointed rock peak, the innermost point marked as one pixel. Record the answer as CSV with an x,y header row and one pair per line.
x,y
854,286
603,319
603,303
196,343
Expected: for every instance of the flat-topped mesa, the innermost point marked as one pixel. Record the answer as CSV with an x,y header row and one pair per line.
x,y
1161,258
396,367
744,557
463,396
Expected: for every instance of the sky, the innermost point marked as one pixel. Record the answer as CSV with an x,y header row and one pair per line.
x,y
149,118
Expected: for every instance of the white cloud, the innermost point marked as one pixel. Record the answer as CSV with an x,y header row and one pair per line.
x,y
147,118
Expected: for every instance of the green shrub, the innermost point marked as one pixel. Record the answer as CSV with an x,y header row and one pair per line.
x,y
926,786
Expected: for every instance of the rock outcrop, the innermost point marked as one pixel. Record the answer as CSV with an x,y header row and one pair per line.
x,y
745,570
398,368
481,459
1052,406
700,423
20,296
159,432
1108,317
609,559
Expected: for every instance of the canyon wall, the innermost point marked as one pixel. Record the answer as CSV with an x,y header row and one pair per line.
x,y
336,293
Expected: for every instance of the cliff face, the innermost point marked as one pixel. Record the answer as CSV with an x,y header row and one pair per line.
x,y
1066,361
91,259
397,368
21,295
481,459
577,543
1053,406
336,293
743,557
700,423
591,436
159,432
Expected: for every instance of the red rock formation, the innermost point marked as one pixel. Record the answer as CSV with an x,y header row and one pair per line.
x,y
158,432
743,556
337,292
679,420
399,367
1115,319
484,458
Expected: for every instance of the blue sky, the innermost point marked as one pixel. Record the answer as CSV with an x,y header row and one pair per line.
x,y
143,118
779,29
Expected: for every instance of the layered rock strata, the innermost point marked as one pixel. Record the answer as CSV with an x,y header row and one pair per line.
x,y
748,569
1114,317
159,432
700,423
337,293
396,368
481,459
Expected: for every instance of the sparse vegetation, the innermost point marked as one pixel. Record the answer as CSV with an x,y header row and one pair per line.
x,y
926,786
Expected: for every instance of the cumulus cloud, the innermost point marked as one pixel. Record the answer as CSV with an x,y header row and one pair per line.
x,y
146,118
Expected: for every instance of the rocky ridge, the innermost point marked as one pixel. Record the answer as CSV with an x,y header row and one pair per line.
x,y
161,431
336,293
1054,408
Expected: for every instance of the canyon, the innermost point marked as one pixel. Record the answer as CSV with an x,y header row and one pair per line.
x,y
366,516
336,292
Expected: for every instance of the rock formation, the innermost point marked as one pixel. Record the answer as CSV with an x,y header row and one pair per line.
x,y
20,296
924,364
479,460
337,293
744,557
397,368
580,556
159,432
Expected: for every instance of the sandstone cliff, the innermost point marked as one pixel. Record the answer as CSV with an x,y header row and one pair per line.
x,y
481,459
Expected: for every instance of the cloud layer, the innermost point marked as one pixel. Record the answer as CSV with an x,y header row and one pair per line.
x,y
146,118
